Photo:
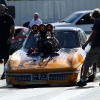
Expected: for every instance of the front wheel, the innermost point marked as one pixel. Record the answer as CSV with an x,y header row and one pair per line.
x,y
16,86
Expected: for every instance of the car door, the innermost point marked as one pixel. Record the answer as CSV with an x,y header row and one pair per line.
x,y
85,23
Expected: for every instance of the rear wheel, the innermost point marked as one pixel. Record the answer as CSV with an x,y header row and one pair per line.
x,y
92,77
81,73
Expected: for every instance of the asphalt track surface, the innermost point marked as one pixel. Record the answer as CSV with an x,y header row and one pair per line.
x,y
54,92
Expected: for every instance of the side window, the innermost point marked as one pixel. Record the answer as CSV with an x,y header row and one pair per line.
x,y
86,19
19,32
82,37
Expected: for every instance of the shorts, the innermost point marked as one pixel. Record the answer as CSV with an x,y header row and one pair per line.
x,y
92,56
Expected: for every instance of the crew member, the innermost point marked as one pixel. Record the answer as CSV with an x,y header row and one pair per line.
x,y
7,30
94,53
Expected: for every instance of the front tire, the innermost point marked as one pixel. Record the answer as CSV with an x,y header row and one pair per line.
x,y
16,86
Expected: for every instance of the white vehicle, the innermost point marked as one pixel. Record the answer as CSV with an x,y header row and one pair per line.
x,y
79,19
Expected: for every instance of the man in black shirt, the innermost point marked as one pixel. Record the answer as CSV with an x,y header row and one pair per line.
x,y
7,30
94,53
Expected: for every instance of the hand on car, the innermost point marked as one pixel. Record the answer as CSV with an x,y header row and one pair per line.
x,y
84,45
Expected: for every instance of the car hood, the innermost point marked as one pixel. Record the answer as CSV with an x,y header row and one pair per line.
x,y
58,24
61,59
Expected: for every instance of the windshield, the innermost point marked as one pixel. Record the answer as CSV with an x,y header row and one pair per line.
x,y
30,41
67,39
71,18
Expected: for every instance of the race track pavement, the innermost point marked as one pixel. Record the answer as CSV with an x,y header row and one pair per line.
x,y
89,92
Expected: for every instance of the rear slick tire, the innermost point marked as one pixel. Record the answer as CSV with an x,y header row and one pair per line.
x,y
92,77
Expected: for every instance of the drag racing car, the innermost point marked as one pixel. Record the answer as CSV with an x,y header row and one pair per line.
x,y
49,56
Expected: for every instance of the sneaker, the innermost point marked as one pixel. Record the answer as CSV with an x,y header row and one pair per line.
x,y
81,84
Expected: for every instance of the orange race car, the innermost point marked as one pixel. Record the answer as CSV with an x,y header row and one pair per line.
x,y
49,57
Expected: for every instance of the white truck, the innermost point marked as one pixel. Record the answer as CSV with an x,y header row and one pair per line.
x,y
79,19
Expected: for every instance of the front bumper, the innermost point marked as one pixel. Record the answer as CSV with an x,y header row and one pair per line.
x,y
41,78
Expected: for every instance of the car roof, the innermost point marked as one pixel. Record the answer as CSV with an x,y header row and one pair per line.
x,y
66,28
16,27
84,11
21,27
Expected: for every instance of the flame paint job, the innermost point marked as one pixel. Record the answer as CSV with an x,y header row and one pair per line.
x,y
67,60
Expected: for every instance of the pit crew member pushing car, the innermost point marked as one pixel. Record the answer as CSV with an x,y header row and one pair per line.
x,y
94,53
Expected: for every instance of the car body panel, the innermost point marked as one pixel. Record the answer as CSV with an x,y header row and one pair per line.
x,y
62,61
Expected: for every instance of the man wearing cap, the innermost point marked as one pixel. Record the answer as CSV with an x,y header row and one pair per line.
x,y
94,53
36,20
7,30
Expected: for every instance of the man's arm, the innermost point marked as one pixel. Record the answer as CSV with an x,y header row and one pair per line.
x,y
12,31
40,21
30,24
11,34
94,32
90,38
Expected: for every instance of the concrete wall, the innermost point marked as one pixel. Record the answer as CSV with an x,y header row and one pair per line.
x,y
49,10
